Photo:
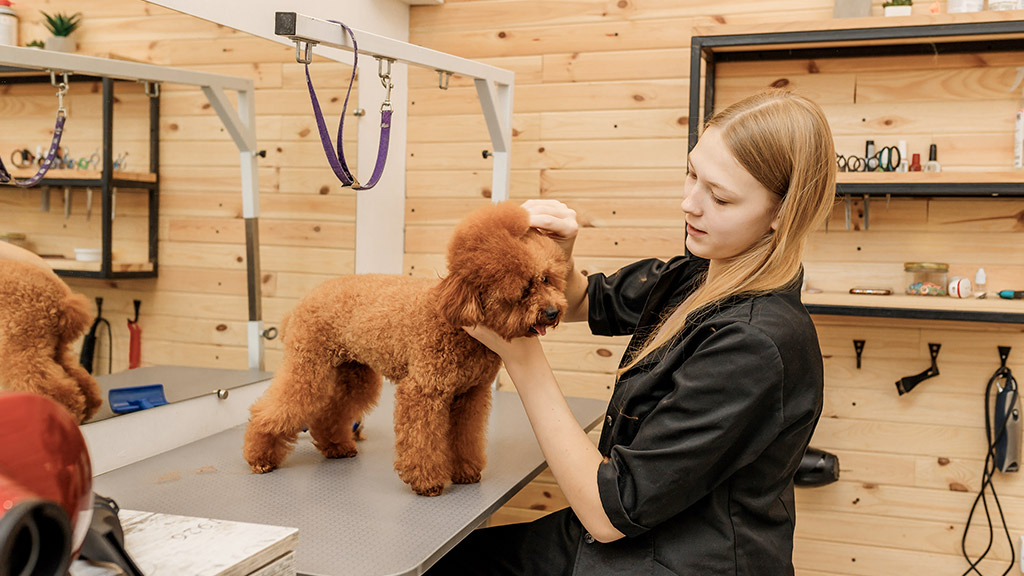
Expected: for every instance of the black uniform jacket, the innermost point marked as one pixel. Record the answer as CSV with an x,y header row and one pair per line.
x,y
702,439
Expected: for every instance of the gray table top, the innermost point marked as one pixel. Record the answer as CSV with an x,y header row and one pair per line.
x,y
355,516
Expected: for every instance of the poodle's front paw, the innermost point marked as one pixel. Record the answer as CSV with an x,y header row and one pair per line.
x,y
466,477
337,450
429,490
262,468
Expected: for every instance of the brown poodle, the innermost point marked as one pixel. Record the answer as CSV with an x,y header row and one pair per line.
x,y
350,331
39,319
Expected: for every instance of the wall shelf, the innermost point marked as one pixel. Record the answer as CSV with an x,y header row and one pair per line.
x,y
948,34
991,309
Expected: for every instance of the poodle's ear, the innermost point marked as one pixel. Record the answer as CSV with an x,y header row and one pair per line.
x,y
458,302
73,318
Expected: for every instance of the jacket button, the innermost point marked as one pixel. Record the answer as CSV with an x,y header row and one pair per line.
x,y
588,538
608,420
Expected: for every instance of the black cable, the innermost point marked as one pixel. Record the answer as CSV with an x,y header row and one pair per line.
x,y
988,472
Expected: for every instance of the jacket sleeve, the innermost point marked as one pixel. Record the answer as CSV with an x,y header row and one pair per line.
x,y
615,302
723,410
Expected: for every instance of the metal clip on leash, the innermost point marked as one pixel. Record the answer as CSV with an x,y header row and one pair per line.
x,y
58,131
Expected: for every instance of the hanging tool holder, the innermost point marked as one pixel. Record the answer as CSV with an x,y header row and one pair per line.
x,y
907,383
1002,421
135,340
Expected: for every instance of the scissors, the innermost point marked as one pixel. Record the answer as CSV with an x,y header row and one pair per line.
x,y
849,163
22,158
121,163
887,159
85,163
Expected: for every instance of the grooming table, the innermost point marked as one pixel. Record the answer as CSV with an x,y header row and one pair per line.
x,y
355,516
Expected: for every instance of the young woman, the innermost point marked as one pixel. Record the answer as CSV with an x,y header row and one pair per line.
x,y
721,386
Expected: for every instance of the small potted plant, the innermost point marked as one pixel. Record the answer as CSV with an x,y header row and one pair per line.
x,y
61,25
897,7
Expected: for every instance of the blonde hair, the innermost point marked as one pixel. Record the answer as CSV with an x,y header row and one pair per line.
x,y
783,140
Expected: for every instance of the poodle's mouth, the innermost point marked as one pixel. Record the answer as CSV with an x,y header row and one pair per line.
x,y
539,329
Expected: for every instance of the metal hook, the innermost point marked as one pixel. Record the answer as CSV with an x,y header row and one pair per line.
x,y
385,80
385,76
62,89
152,88
443,76
304,55
858,346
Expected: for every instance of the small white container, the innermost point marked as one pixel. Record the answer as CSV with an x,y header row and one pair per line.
x,y
8,25
1003,4
88,254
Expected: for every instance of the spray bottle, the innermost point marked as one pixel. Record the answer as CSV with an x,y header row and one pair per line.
x,y
1018,131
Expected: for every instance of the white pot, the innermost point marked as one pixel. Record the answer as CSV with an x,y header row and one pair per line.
x,y
897,10
61,44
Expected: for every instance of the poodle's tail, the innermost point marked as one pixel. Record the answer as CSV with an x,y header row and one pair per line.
x,y
74,317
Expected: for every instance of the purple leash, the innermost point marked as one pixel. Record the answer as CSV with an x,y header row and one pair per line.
x,y
58,130
336,158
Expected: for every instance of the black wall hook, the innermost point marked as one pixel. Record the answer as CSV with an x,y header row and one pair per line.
x,y
858,346
907,383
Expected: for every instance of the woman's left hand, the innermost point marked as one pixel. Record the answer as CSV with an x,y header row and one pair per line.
x,y
511,351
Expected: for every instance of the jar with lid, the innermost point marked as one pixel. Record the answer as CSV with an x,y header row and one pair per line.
x,y
926,278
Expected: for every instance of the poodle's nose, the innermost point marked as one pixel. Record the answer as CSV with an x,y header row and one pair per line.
x,y
551,314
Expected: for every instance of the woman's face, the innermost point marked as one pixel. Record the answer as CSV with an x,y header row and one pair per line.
x,y
727,210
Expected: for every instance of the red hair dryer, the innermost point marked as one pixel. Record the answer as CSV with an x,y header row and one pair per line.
x,y
45,486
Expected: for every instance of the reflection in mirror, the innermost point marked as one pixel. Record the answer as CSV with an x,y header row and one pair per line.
x,y
152,386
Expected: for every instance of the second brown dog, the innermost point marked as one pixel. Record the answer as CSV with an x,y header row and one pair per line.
x,y
352,330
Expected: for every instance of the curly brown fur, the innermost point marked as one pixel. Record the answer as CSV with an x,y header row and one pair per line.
x,y
350,331
39,320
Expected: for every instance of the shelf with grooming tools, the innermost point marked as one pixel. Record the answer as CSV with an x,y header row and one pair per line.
x,y
95,175
941,84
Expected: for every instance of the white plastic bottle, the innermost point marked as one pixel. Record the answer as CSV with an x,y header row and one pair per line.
x,y
8,24
980,283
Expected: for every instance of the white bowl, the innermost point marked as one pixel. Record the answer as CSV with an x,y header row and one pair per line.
x,y
88,254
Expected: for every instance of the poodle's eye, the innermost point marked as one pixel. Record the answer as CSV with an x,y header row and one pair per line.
x,y
544,279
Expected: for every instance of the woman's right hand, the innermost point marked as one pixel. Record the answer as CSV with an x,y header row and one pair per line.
x,y
555,220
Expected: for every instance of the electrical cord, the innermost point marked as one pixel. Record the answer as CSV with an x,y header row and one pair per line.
x,y
989,471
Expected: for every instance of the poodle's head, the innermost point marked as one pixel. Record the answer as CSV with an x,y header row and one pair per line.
x,y
503,274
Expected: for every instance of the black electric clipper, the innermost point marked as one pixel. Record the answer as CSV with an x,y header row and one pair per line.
x,y
1005,427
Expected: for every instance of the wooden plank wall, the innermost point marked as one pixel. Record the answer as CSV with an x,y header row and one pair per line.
x,y
195,312
600,123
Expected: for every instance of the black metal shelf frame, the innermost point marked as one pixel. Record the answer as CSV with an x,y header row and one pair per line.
x,y
973,37
107,181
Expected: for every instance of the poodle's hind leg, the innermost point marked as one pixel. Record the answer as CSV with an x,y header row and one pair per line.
x,y
421,437
468,437
355,392
284,410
